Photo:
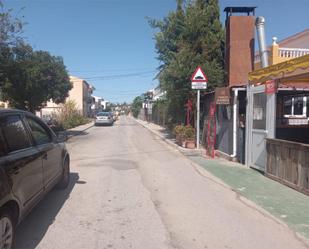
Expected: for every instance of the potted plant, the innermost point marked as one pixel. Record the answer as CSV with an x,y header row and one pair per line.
x,y
178,131
189,137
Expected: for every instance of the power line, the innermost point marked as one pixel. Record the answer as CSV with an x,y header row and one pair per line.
x,y
120,2
112,70
117,76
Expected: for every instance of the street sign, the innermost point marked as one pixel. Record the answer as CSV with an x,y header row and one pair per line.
x,y
199,76
199,85
222,95
198,82
270,87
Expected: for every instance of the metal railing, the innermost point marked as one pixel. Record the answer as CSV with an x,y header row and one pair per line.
x,y
292,52
288,53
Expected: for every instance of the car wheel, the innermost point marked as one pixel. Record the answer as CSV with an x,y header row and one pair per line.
x,y
65,178
7,229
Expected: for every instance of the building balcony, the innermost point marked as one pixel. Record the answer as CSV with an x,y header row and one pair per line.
x,y
278,54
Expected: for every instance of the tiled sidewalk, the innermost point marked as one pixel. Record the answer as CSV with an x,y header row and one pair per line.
x,y
284,203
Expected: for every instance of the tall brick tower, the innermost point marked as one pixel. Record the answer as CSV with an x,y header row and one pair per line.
x,y
239,54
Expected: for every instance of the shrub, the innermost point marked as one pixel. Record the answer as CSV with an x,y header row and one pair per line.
x,y
189,132
179,129
69,116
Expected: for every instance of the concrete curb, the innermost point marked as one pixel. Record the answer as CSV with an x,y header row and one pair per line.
x,y
78,130
171,142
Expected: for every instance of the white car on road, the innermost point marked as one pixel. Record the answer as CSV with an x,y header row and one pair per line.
x,y
104,118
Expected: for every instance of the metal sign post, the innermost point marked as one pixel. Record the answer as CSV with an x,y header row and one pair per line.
x,y
198,82
198,120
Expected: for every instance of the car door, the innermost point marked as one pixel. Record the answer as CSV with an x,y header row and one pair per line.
x,y
22,162
52,154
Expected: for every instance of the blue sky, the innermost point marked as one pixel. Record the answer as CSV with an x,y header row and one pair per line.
x,y
110,44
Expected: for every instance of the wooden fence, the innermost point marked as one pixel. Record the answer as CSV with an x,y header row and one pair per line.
x,y
288,163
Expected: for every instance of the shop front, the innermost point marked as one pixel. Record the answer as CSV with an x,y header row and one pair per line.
x,y
278,122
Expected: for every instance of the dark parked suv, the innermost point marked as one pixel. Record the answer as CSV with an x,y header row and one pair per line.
x,y
32,161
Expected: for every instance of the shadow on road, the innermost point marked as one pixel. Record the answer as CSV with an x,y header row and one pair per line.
x,y
67,134
31,231
75,133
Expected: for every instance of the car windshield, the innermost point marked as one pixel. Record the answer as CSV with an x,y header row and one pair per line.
x,y
103,114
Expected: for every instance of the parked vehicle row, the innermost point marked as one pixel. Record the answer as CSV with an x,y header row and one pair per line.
x,y
32,161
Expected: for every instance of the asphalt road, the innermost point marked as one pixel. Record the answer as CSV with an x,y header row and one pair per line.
x,y
130,190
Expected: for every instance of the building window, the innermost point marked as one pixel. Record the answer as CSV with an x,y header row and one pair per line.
x,y
307,107
259,111
295,106
287,106
298,105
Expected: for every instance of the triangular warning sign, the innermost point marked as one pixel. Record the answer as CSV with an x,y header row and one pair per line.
x,y
199,76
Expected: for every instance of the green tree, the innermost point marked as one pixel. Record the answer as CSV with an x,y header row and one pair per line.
x,y
10,28
10,36
137,105
33,78
188,37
